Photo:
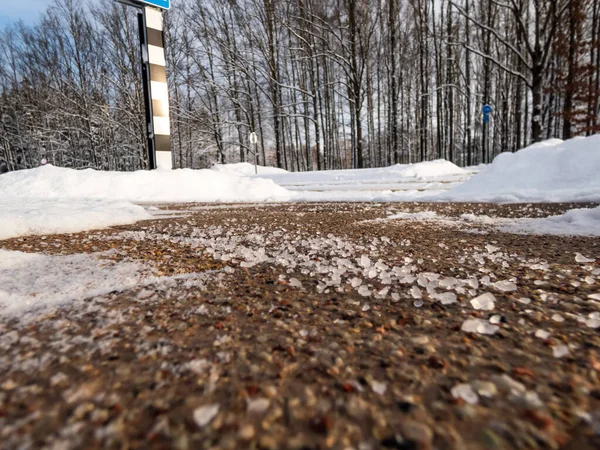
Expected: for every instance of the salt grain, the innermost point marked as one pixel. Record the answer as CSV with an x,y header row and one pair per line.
x,y
479,326
465,391
484,302
205,414
560,350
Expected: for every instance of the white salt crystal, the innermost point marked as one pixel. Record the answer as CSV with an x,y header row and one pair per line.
x,y
258,406
415,292
484,302
542,334
466,392
582,259
560,350
294,282
479,326
378,387
205,414
505,286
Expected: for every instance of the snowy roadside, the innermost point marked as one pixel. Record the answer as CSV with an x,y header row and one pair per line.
x,y
53,200
50,199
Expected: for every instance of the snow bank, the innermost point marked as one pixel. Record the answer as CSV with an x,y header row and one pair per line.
x,y
550,171
50,199
246,169
26,216
182,185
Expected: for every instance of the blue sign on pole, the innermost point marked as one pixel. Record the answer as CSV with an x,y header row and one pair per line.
x,y
486,110
164,4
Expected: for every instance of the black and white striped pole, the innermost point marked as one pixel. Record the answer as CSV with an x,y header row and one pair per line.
x,y
154,76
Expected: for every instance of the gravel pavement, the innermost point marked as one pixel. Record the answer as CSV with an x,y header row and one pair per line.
x,y
314,326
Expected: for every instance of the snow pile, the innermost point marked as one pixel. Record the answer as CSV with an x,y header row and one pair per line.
x,y
575,222
427,169
183,185
550,171
21,217
246,169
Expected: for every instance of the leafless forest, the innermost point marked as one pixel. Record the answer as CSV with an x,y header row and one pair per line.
x,y
326,84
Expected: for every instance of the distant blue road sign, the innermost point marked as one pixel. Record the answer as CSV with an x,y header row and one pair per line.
x,y
486,109
164,4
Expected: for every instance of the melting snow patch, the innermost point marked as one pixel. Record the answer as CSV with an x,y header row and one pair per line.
x,y
32,283
423,215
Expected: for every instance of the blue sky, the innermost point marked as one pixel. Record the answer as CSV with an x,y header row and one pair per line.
x,y
27,10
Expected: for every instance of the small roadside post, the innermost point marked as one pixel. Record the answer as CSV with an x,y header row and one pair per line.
x,y
486,110
154,77
254,141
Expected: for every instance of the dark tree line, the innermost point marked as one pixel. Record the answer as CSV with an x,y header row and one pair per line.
x,y
326,84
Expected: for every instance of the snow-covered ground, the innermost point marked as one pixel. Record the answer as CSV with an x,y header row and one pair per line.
x,y
53,200
400,182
